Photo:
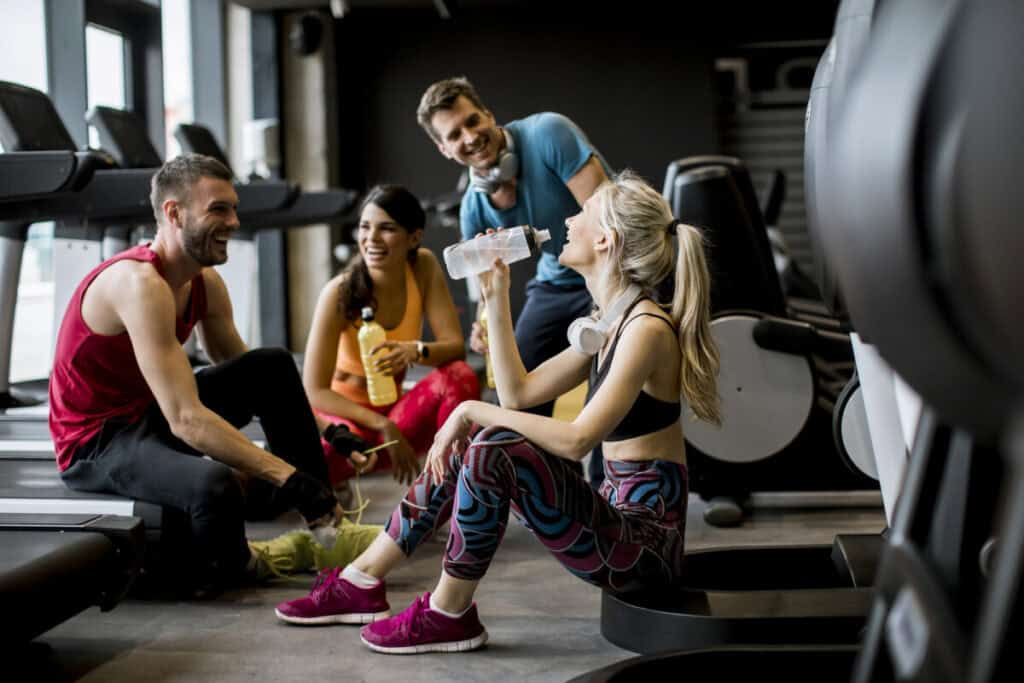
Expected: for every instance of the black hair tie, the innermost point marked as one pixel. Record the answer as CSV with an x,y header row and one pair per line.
x,y
673,225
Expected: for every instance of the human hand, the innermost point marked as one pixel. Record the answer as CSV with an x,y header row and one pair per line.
x,y
496,280
478,338
314,500
343,441
405,467
397,357
453,437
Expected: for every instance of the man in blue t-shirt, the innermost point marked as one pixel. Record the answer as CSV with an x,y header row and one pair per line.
x,y
535,171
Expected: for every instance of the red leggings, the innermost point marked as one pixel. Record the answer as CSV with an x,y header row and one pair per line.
x,y
418,415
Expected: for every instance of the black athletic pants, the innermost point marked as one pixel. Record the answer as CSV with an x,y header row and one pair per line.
x,y
144,461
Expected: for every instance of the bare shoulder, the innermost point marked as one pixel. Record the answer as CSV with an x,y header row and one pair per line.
x,y
218,300
211,278
426,269
427,265
426,259
124,291
131,280
649,323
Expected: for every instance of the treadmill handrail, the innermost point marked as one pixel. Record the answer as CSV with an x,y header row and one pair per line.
x,y
29,174
114,195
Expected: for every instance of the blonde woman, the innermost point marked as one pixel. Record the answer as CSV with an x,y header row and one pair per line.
x,y
640,359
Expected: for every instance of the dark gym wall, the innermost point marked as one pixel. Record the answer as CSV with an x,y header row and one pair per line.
x,y
640,89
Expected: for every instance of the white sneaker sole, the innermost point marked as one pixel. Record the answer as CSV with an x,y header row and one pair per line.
x,y
454,646
334,618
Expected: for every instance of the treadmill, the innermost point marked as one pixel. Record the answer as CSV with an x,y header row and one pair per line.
x,y
55,565
123,133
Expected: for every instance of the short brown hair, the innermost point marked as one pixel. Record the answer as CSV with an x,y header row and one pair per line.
x,y
441,96
177,176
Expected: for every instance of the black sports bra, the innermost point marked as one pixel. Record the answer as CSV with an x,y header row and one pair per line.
x,y
648,414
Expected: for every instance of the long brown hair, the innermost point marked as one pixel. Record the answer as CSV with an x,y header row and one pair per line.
x,y
356,288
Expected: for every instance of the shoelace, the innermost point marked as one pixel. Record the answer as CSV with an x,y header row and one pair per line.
x,y
323,583
360,504
414,622
276,565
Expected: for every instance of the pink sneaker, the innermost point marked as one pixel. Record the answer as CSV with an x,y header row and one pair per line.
x,y
334,600
421,629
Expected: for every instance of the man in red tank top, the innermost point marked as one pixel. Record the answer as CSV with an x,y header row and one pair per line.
x,y
129,417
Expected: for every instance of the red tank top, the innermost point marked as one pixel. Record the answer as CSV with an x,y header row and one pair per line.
x,y
95,376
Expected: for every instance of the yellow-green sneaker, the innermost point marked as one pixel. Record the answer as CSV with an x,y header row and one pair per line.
x,y
350,541
287,554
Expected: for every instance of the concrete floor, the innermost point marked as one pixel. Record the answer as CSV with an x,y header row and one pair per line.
x,y
544,624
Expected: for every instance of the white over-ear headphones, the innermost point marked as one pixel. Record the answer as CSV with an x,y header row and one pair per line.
x,y
587,335
505,170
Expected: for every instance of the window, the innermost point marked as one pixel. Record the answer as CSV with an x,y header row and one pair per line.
x,y
105,70
177,47
23,60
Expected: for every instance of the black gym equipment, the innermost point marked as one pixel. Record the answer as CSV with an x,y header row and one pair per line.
x,y
55,566
934,281
782,367
923,229
261,204
93,202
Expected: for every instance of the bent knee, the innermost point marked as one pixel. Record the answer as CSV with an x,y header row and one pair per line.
x,y
217,487
497,436
270,357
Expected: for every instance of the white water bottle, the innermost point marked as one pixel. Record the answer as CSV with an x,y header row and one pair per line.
x,y
510,245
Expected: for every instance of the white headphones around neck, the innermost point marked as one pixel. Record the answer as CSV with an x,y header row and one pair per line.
x,y
587,335
505,170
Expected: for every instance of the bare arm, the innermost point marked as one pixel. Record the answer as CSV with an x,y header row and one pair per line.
x,y
320,358
587,179
143,302
517,388
217,331
440,310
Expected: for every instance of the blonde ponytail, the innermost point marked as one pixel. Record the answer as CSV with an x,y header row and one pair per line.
x,y
639,218
691,311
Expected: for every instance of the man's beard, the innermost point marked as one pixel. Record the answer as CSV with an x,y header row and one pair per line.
x,y
199,245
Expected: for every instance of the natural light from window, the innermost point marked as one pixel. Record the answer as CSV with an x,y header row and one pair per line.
x,y
23,61
177,47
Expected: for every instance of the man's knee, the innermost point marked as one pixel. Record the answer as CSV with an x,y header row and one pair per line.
x,y
272,361
217,489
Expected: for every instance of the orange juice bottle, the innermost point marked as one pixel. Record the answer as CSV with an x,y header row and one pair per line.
x,y
380,387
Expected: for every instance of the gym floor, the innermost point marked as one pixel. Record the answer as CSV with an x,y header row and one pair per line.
x,y
544,624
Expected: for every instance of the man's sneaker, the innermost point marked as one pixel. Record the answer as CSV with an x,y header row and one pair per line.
x,y
334,600
348,542
287,554
421,629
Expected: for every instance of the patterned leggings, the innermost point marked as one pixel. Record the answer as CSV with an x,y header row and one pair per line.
x,y
419,413
627,536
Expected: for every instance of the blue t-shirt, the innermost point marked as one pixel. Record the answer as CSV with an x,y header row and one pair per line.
x,y
551,150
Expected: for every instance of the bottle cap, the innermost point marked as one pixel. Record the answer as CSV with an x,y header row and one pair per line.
x,y
367,313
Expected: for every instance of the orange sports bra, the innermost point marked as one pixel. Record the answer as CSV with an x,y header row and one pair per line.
x,y
410,328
